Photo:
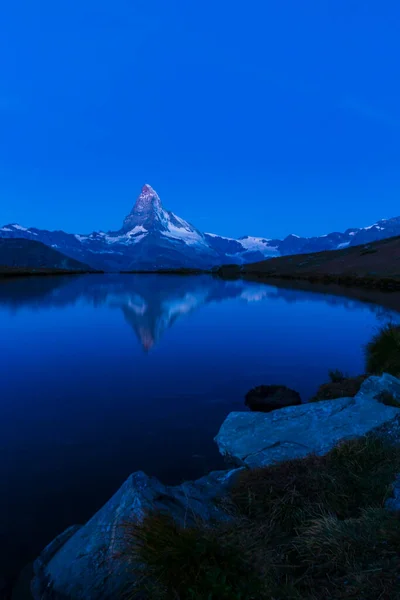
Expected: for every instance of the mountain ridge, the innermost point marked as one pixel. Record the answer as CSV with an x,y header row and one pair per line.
x,y
152,238
17,253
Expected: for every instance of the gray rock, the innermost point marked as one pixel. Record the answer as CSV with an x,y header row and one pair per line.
x,y
85,563
258,439
375,385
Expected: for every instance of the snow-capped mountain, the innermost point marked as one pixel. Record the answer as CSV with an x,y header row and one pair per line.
x,y
294,244
150,238
244,249
335,241
153,238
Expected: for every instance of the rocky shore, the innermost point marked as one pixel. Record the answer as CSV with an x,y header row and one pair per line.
x,y
89,562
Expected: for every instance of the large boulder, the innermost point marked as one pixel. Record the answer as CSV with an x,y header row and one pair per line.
x,y
84,563
266,398
258,439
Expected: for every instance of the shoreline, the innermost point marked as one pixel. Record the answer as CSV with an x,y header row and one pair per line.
x,y
382,283
381,296
12,272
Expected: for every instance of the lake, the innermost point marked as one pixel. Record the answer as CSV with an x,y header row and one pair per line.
x,y
103,375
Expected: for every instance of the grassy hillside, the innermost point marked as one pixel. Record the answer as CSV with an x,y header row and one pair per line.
x,y
376,264
20,257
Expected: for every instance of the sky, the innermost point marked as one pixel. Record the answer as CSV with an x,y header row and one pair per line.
x,y
264,117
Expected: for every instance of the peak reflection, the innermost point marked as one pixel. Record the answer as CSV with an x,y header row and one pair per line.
x,y
151,304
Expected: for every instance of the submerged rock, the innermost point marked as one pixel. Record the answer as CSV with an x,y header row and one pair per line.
x,y
258,439
266,398
85,563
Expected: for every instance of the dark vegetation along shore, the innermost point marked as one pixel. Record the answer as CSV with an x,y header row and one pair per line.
x,y
8,272
181,271
374,265
310,509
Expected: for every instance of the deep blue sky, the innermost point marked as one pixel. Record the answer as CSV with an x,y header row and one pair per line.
x,y
258,117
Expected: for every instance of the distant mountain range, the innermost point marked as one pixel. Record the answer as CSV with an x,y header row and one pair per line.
x,y
154,238
376,265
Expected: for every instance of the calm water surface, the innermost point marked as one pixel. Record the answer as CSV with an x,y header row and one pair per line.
x,y
104,375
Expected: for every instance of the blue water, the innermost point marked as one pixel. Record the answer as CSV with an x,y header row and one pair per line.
x,y
104,375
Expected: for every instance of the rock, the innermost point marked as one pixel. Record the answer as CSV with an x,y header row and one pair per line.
x,y
258,439
266,398
85,563
375,385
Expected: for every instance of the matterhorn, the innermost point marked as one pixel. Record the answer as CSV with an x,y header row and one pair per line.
x,y
151,238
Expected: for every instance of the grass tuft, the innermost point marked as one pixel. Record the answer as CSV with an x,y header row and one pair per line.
x,y
311,529
336,376
314,528
349,544
353,558
355,474
347,387
383,351
188,563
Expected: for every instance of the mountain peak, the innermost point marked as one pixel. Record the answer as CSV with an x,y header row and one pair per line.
x,y
147,196
147,189
147,207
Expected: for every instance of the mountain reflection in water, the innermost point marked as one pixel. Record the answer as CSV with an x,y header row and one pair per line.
x,y
153,303
103,375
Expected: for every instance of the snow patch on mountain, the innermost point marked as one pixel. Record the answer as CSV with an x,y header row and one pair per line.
x,y
15,227
215,235
136,230
255,243
246,244
184,233
376,226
